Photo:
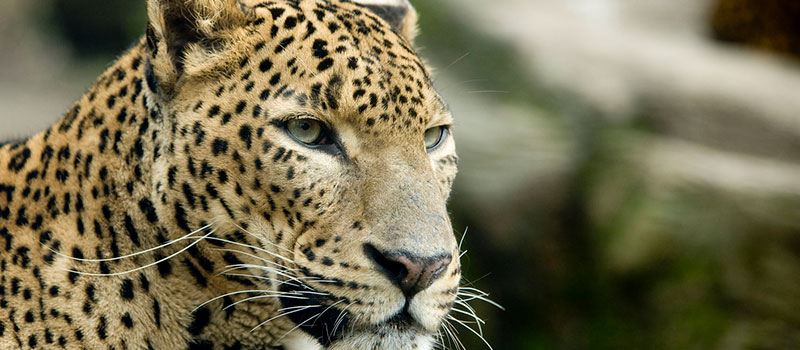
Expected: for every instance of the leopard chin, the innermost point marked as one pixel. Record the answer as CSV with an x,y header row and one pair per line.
x,y
386,337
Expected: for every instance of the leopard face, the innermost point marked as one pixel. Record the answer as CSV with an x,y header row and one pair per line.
x,y
334,149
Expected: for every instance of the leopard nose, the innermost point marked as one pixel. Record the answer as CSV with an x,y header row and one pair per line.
x,y
409,272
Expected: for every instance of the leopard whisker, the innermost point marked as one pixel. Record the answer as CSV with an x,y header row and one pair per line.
x,y
167,244
227,295
482,296
259,267
298,309
270,296
317,316
452,334
340,318
248,254
262,240
478,320
255,248
479,335
141,267
461,242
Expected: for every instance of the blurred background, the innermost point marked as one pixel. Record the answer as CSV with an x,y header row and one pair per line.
x,y
630,174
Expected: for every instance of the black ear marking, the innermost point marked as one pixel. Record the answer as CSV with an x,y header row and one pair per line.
x,y
394,15
399,14
180,32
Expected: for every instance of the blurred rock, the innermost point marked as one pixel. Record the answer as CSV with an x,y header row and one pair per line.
x,y
768,24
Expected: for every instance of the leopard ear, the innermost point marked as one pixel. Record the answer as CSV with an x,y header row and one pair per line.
x,y
398,13
176,27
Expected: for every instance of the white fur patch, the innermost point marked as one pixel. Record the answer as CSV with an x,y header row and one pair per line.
x,y
300,341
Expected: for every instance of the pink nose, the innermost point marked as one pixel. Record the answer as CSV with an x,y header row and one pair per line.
x,y
411,273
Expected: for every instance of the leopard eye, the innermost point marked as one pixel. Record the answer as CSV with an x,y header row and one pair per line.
x,y
434,137
308,131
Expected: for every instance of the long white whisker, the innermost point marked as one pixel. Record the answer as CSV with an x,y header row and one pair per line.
x,y
471,330
142,267
253,247
461,242
299,308
250,255
481,298
263,268
340,318
265,296
167,244
262,240
227,295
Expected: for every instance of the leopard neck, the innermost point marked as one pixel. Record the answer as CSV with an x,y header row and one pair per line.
x,y
98,155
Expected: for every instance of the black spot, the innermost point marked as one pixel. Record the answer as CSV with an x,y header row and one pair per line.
x,y
265,65
180,217
164,266
132,232
318,48
219,146
202,317
201,345
146,206
246,134
126,290
309,253
325,64
240,107
157,312
196,273
127,320
101,328
290,22
276,12
276,78
213,111
264,94
284,44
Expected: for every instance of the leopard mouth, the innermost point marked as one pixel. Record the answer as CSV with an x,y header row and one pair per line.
x,y
318,315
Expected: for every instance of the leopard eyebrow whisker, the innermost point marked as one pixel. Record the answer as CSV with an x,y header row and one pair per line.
x,y
189,246
167,244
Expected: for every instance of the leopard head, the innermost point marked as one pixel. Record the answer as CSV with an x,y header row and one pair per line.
x,y
313,126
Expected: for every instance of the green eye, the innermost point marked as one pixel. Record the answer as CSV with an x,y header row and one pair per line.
x,y
434,137
307,131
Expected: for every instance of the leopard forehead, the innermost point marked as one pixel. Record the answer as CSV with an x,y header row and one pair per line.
x,y
336,61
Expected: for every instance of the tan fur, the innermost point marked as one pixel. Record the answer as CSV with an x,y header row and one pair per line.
x,y
201,151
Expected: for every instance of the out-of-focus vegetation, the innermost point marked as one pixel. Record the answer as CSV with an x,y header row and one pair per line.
x,y
668,223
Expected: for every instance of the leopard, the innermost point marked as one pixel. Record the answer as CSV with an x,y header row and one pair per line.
x,y
249,174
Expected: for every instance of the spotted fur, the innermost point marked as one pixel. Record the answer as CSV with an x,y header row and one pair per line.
x,y
170,209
